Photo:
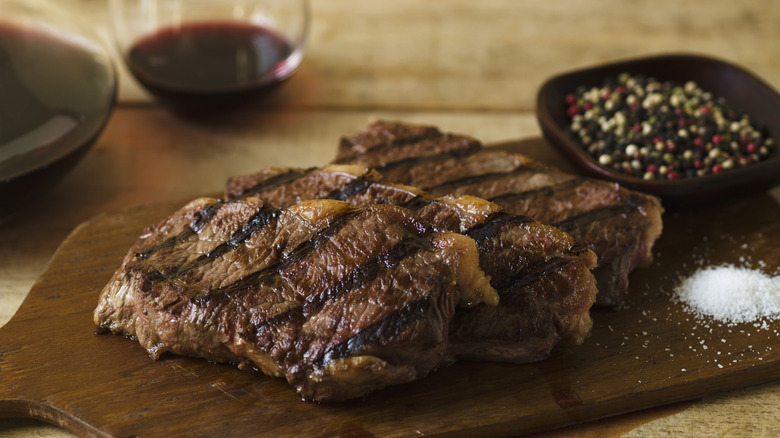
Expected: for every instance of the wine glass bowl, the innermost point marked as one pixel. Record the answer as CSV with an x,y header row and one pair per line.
x,y
204,55
58,88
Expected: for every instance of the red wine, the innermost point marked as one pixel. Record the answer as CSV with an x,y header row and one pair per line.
x,y
203,64
56,98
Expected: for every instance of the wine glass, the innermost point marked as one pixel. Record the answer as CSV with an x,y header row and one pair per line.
x,y
57,92
210,54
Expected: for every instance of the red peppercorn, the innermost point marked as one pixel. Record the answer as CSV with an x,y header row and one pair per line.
x,y
652,168
670,141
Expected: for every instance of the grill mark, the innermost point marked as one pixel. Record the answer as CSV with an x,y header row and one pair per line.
x,y
275,182
351,189
151,277
367,180
255,331
418,226
202,217
417,203
296,255
411,162
506,284
261,219
373,334
450,185
369,270
280,318
396,142
597,214
356,278
542,192
493,225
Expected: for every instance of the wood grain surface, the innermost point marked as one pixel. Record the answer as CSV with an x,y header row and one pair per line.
x,y
652,352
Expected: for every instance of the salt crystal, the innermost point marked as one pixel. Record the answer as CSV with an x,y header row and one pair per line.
x,y
731,294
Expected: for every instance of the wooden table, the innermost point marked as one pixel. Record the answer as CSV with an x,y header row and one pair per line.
x,y
468,67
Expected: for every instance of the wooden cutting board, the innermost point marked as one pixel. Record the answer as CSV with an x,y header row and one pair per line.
x,y
54,367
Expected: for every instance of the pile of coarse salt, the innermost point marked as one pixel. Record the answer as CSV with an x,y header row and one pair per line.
x,y
731,294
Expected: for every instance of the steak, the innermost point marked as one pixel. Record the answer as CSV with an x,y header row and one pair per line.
x,y
338,300
618,224
543,278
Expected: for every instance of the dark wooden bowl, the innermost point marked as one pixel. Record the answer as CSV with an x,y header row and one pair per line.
x,y
740,88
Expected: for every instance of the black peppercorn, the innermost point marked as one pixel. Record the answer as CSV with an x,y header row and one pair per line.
x,y
640,126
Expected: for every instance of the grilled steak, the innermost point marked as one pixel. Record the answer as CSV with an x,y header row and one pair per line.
x,y
338,300
543,279
619,225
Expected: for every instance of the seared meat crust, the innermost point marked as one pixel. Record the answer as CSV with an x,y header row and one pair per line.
x,y
541,275
338,300
618,224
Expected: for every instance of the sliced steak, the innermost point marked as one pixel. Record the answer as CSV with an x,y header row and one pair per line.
x,y
338,300
542,277
618,224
